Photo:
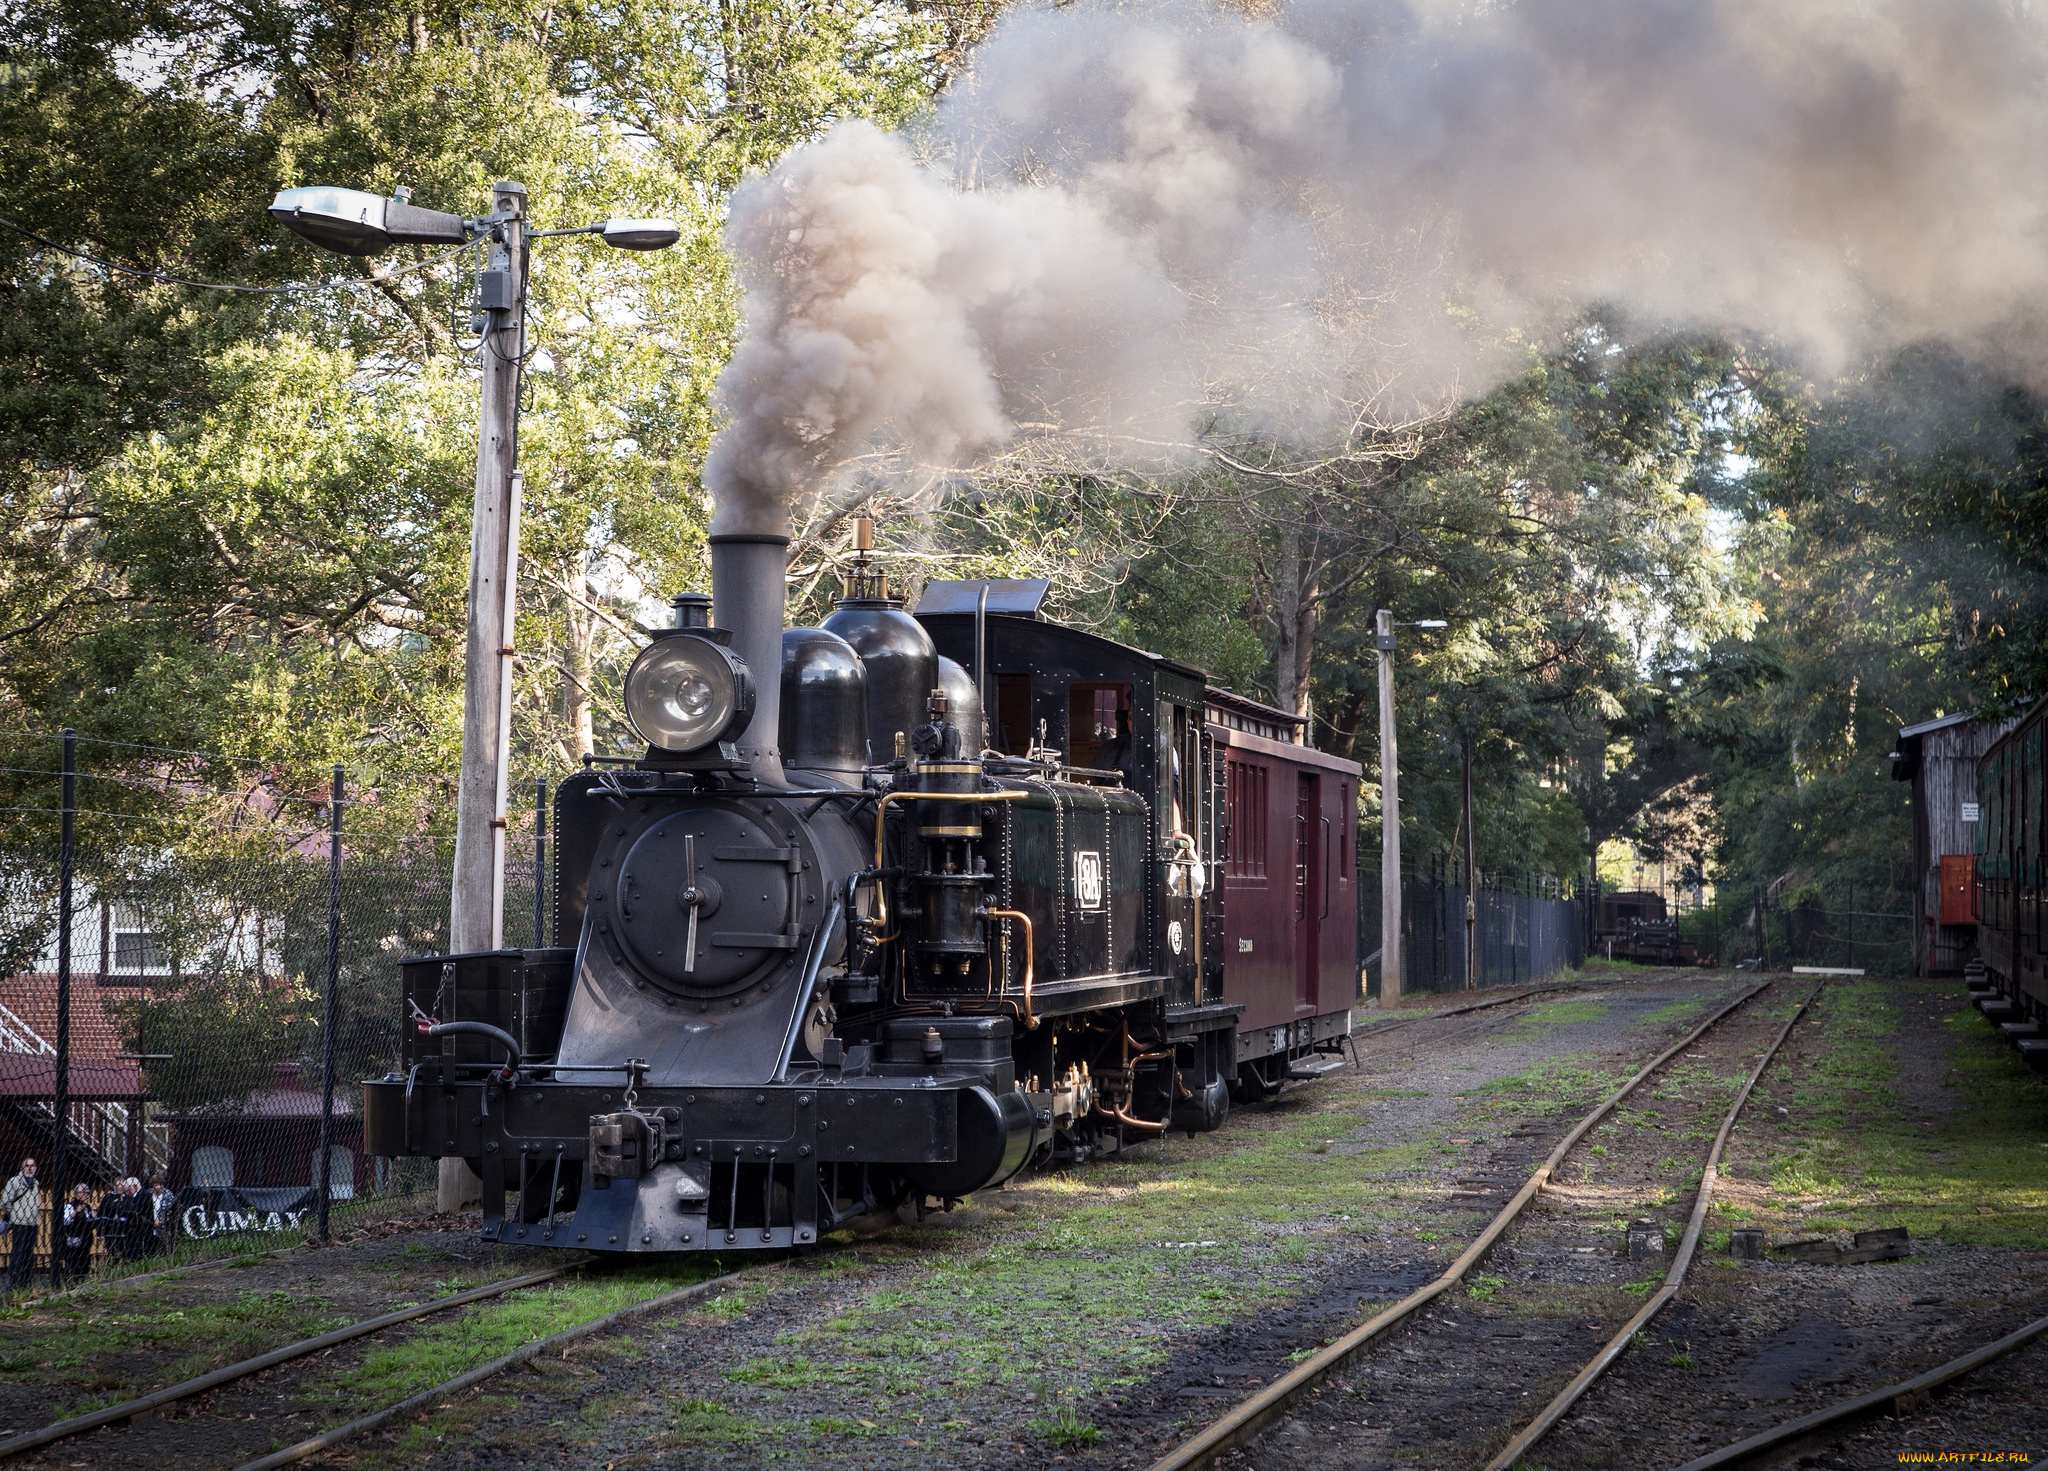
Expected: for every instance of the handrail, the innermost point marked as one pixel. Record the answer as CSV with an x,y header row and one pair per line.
x,y
42,1047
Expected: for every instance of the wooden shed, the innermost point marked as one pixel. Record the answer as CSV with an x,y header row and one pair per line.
x,y
1939,757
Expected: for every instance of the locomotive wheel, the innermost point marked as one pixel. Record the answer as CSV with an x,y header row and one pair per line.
x,y
1250,1086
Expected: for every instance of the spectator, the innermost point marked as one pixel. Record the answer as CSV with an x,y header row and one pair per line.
x,y
141,1221
75,1259
118,1209
163,1214
21,1206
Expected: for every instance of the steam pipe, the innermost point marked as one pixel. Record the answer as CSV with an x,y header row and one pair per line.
x,y
981,683
1030,1021
482,1029
749,574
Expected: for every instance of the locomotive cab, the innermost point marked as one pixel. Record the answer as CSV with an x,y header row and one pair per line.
x,y
936,897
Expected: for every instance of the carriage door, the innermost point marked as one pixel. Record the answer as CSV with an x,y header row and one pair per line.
x,y
1308,890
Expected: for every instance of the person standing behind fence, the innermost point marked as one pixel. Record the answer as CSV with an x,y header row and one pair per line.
x,y
117,1217
141,1220
21,1205
79,1221
163,1212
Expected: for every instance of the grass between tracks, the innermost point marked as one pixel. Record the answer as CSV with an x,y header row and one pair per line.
x,y
1075,1287
122,1341
132,1341
1963,1155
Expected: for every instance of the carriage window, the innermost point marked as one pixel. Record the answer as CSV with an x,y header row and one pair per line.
x,y
1096,713
1344,843
1244,815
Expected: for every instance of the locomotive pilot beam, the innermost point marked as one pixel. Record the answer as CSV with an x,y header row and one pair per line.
x,y
938,898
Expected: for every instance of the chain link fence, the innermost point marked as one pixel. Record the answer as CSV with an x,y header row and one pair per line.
x,y
1824,923
230,929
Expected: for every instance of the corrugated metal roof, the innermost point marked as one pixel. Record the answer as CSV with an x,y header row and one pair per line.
x,y
1912,731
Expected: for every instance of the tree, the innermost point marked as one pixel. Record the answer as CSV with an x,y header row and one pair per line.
x,y
164,586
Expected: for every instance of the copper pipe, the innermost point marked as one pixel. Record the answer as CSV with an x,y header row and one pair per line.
x,y
1123,1118
1130,1062
882,807
1030,1021
881,811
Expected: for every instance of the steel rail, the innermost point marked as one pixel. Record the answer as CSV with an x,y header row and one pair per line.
x,y
1242,1424
1863,1404
1681,1260
1382,1025
150,1403
326,1440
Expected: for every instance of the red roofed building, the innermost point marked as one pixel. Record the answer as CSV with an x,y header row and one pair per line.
x,y
106,1090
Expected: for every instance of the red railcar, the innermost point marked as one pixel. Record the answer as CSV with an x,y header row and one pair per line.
x,y
2009,980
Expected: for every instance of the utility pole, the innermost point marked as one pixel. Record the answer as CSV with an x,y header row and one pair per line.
x,y
476,919
1390,818
352,222
1471,880
60,1100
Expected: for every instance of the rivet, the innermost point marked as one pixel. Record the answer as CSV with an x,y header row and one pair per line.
x,y
583,1238
732,1236
758,1098
648,1239
803,1099
613,1240
686,1236
767,1235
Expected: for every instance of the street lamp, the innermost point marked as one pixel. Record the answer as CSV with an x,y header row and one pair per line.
x,y
355,222
1390,807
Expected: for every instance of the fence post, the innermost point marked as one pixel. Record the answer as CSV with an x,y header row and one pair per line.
x,y
540,868
333,1006
60,1163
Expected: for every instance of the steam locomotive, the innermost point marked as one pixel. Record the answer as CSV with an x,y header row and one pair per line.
x,y
944,896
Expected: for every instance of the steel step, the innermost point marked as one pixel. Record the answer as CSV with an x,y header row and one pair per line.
x,y
1314,1067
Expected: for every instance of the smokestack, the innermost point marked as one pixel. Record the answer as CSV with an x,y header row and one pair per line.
x,y
748,581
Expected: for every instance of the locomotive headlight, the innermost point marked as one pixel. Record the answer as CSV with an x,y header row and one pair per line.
x,y
685,692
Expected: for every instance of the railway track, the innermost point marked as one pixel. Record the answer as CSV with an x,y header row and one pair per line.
x,y
1247,1421
148,1405
1892,1398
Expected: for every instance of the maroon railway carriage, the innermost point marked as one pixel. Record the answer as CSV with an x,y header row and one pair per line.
x,y
2009,981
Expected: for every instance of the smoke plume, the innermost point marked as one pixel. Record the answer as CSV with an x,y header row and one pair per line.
x,y
1128,229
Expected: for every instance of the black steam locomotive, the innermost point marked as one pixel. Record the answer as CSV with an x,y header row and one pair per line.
x,y
951,894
